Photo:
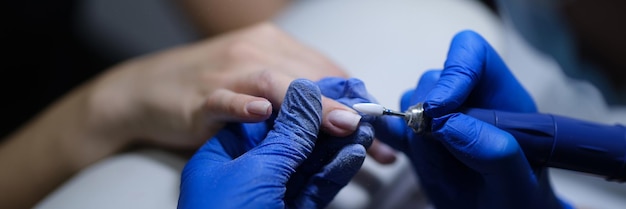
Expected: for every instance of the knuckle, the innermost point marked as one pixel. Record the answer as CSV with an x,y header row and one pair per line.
x,y
214,100
266,30
502,148
205,79
241,50
264,80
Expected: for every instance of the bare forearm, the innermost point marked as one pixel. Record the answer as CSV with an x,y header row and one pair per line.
x,y
50,149
217,16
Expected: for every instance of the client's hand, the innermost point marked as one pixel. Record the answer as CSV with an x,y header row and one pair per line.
x,y
181,97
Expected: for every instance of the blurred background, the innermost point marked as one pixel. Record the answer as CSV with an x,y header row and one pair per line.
x,y
386,44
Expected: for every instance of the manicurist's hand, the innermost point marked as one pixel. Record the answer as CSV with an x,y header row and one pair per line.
x,y
291,166
464,162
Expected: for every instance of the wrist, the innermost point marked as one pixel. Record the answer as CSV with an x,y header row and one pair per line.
x,y
107,108
80,132
50,149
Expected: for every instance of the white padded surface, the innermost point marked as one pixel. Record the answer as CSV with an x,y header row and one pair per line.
x,y
143,179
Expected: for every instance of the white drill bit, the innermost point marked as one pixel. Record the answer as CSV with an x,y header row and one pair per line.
x,y
375,110
414,116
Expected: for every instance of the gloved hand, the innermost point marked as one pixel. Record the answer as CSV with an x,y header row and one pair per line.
x,y
245,166
467,163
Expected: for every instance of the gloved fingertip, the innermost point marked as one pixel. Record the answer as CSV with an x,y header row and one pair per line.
x,y
297,125
323,186
345,165
466,37
332,87
305,86
302,103
428,81
357,89
405,100
347,91
431,76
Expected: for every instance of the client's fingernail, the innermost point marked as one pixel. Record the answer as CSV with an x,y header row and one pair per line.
x,y
344,119
259,107
382,153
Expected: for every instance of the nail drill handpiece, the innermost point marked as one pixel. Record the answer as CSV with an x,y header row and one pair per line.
x,y
547,140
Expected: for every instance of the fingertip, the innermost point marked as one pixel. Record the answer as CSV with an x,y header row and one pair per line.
x,y
226,105
470,39
338,87
356,151
343,121
323,186
302,102
467,34
357,89
338,119
431,76
305,85
381,152
259,108
423,92
425,85
296,127
301,111
405,100
348,161
332,87
463,69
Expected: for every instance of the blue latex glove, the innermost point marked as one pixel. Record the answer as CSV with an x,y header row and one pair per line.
x,y
346,91
467,163
291,166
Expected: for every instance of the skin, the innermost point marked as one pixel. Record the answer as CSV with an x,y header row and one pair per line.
x,y
216,16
